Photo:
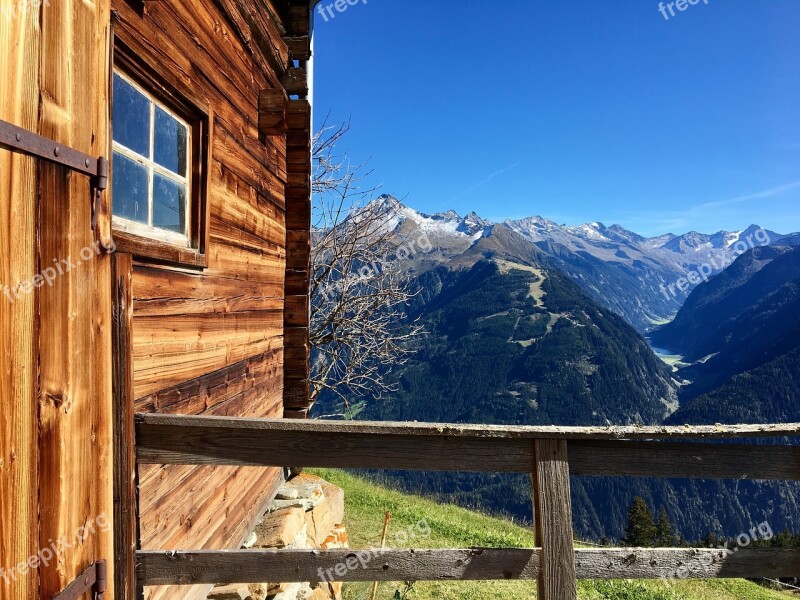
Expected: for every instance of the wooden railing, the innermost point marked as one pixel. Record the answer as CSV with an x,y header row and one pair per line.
x,y
549,454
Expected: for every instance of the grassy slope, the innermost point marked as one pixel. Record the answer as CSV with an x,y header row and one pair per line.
x,y
454,527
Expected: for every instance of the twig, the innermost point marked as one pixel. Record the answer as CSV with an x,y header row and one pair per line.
x,y
383,545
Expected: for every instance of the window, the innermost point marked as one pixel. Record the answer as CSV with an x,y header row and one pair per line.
x,y
159,175
152,151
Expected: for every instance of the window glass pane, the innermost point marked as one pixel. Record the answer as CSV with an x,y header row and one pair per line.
x,y
170,143
129,189
169,204
131,117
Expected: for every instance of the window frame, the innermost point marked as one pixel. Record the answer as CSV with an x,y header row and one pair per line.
x,y
144,241
153,168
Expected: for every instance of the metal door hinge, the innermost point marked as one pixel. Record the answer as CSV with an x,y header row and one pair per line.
x,y
21,140
94,579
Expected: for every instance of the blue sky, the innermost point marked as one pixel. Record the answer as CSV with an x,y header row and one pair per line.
x,y
576,110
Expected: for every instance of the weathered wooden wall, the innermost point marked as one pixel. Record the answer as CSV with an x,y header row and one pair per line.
x,y
55,386
210,341
19,103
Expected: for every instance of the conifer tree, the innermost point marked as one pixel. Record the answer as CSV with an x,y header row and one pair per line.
x,y
665,534
641,530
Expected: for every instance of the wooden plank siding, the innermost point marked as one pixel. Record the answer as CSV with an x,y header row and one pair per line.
x,y
19,472
56,446
75,409
55,366
211,341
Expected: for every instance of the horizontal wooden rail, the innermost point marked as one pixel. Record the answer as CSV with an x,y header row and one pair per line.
x,y
171,439
391,428
253,566
549,454
684,460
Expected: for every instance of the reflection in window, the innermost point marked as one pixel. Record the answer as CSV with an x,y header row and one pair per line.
x,y
151,153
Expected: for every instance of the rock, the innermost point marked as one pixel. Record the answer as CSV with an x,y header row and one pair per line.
x,y
309,492
258,591
301,503
307,513
287,493
320,594
324,517
229,592
280,529
338,538
289,591
300,541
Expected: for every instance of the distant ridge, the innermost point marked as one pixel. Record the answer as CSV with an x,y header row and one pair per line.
x,y
635,276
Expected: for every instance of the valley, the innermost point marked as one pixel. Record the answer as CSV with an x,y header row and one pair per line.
x,y
534,323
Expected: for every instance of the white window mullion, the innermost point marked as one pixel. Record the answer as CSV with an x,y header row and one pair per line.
x,y
152,157
152,169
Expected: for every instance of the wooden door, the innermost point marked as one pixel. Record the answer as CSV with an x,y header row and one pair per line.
x,y
55,364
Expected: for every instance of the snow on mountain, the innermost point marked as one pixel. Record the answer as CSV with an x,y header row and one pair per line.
x,y
446,223
614,243
636,276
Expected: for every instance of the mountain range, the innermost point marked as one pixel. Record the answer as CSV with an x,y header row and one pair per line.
x,y
531,322
635,276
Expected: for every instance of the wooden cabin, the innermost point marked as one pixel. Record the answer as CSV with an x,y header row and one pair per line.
x,y
155,165
155,162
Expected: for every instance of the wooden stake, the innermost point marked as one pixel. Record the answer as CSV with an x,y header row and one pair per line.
x,y
383,545
553,521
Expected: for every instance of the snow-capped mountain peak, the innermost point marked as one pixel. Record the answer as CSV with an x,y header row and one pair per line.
x,y
443,223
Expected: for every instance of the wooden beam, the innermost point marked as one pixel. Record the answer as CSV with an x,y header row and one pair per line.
x,y
126,530
295,81
171,439
291,413
178,439
272,107
686,563
296,314
470,431
297,18
295,395
553,521
687,460
253,566
299,46
258,32
299,118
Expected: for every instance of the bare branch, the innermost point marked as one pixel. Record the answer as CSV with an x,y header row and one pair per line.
x,y
359,291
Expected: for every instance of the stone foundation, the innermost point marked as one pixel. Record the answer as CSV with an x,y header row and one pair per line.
x,y
306,513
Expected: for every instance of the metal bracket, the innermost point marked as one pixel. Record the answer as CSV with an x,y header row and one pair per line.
x,y
21,140
94,579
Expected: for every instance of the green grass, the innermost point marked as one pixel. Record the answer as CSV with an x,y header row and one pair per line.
x,y
453,527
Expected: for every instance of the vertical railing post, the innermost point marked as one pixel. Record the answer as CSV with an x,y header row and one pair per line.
x,y
552,520
126,534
